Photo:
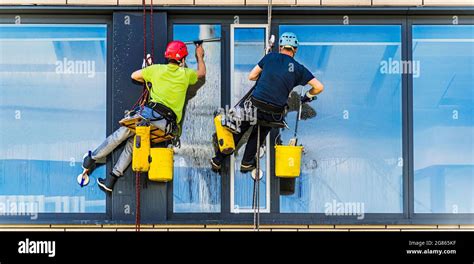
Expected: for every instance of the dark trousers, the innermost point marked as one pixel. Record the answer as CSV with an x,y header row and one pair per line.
x,y
251,148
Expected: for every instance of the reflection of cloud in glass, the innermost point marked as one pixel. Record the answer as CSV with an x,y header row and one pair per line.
x,y
353,146
249,48
50,117
443,118
195,187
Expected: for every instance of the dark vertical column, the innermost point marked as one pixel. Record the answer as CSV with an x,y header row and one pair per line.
x,y
127,57
407,96
225,100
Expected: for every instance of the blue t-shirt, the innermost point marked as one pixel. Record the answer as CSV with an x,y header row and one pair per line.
x,y
280,74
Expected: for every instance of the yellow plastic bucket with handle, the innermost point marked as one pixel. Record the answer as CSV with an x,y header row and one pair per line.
x,y
288,161
141,149
161,164
225,138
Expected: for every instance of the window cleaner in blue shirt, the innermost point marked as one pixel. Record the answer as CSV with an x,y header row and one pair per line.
x,y
276,75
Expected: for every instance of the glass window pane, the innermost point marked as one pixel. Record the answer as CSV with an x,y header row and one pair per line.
x,y
249,48
195,187
353,147
443,119
52,110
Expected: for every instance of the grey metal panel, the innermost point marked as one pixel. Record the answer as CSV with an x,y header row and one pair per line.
x,y
128,57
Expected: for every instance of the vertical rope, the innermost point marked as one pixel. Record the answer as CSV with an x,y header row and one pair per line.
x,y
144,29
269,16
254,203
137,200
152,33
256,184
141,101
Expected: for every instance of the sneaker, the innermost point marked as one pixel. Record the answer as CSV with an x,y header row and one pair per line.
x,y
247,166
108,183
88,162
216,166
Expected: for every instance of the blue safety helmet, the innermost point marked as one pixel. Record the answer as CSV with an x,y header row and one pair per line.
x,y
288,40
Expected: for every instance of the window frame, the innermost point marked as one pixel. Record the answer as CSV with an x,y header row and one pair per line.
x,y
358,20
268,168
428,21
199,216
226,216
77,218
406,17
170,185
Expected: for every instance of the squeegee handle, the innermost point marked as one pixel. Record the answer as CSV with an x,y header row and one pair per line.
x,y
298,118
200,41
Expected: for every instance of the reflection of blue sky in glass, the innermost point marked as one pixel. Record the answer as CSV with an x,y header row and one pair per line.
x,y
354,145
191,32
249,48
443,117
195,187
249,45
52,110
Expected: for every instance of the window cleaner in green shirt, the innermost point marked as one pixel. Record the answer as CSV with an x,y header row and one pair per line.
x,y
168,84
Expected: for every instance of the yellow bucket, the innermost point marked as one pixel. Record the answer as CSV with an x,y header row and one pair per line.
x,y
141,149
225,139
288,161
161,165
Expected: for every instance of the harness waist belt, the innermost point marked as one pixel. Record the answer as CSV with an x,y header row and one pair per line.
x,y
267,107
163,110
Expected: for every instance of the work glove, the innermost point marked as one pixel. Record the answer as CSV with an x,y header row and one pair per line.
x,y
307,97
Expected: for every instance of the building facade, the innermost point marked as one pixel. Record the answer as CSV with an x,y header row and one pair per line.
x,y
392,141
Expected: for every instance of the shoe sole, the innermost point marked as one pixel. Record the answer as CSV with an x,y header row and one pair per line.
x,y
214,166
103,186
245,169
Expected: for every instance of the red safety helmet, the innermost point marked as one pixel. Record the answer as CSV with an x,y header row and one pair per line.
x,y
176,50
